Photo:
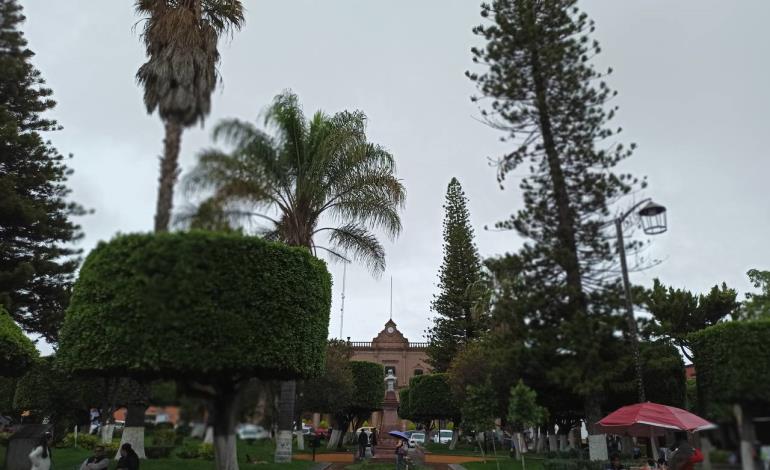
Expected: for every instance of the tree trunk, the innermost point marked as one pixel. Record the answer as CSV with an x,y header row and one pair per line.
x,y
455,437
169,171
225,408
285,417
746,431
335,439
553,444
107,433
133,432
562,442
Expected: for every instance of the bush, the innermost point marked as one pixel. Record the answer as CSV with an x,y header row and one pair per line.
x,y
183,430
84,441
563,454
164,437
719,456
4,439
193,450
188,451
158,451
206,452
733,364
205,292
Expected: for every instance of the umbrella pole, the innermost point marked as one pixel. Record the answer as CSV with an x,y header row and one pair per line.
x,y
653,444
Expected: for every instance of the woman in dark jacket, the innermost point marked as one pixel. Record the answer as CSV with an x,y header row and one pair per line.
x,y
128,458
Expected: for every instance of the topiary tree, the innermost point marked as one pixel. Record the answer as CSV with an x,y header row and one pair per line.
x,y
733,364
430,398
210,310
479,408
404,406
524,412
368,392
17,352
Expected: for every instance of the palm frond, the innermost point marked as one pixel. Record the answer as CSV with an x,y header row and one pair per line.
x,y
360,243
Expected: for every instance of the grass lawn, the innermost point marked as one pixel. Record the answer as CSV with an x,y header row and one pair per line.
x,y
377,466
70,459
461,449
506,463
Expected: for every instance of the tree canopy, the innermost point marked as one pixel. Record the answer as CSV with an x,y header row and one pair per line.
x,y
733,364
17,352
553,106
757,305
676,313
191,305
460,304
37,260
430,398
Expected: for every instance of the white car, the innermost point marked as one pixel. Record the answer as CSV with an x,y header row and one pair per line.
x,y
417,438
443,436
248,432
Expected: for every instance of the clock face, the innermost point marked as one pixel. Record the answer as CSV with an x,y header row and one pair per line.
x,y
390,329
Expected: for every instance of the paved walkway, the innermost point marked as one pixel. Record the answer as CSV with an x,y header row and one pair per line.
x,y
436,461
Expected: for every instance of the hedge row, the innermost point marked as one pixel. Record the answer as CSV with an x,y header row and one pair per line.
x,y
16,350
733,364
197,305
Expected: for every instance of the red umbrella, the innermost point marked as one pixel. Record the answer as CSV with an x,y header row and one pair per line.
x,y
649,419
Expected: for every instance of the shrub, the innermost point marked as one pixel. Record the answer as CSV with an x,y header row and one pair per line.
x,y
206,452
183,430
560,464
158,452
733,364
203,292
85,441
164,437
4,439
719,456
188,451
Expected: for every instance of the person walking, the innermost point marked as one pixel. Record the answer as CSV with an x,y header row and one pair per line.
x,y
128,458
40,457
401,451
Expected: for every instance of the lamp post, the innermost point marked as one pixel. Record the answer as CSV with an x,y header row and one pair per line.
x,y
653,218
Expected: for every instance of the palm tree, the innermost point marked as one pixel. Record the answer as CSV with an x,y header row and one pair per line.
x,y
314,183
180,74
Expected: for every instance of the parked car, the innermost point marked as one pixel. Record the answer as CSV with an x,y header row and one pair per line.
x,y
251,432
368,430
443,436
307,429
417,438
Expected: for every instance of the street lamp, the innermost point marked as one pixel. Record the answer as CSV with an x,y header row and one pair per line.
x,y
654,222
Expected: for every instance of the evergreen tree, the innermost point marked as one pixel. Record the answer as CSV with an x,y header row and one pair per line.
x,y
551,102
36,260
459,305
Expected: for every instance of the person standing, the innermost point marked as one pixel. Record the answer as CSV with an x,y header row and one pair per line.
x,y
401,451
363,440
373,440
40,457
128,458
685,456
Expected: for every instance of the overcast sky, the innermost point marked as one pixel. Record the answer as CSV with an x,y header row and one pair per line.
x,y
692,75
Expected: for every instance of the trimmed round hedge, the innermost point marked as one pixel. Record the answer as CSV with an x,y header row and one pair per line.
x,y
17,352
430,397
197,305
732,360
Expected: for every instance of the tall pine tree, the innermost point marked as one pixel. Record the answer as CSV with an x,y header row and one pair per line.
x,y
460,315
37,261
552,103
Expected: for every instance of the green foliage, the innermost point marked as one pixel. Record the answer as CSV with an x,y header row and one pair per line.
x,y
332,391
692,395
479,408
523,409
321,175
677,312
7,390
195,450
576,464
553,105
193,305
430,398
17,352
158,451
37,260
461,305
84,441
757,306
663,377
733,364
404,406
164,437
369,387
